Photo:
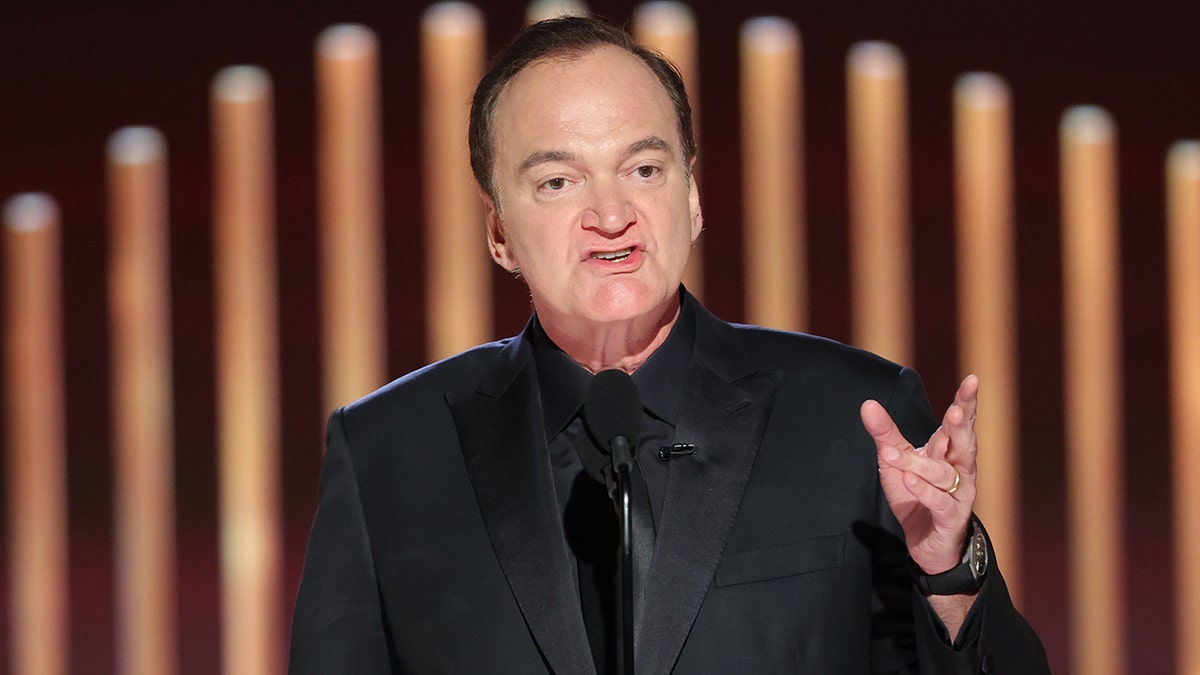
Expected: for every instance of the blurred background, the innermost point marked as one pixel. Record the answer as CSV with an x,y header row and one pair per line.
x,y
73,72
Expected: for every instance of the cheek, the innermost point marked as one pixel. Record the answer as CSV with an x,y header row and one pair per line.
x,y
537,256
553,239
679,231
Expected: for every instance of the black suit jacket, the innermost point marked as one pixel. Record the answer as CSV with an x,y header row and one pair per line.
x,y
437,546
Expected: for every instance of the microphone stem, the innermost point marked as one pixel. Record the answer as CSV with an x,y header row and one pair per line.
x,y
625,601
622,459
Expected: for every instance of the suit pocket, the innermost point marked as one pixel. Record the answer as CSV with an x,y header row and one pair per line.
x,y
777,562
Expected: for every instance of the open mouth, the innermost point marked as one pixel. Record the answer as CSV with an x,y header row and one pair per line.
x,y
613,256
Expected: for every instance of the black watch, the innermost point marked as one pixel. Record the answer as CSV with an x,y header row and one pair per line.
x,y
966,577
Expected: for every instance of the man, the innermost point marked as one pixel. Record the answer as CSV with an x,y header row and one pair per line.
x,y
797,530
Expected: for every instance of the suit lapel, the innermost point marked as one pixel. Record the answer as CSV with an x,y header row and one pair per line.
x,y
503,443
724,412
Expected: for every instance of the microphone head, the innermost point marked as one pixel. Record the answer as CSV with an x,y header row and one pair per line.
x,y
613,407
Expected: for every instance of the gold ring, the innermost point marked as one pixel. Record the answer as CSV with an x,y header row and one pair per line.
x,y
957,478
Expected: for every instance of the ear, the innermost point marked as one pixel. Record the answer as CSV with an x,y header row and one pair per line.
x,y
694,205
497,242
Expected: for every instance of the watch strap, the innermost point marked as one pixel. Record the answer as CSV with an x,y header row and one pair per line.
x,y
965,577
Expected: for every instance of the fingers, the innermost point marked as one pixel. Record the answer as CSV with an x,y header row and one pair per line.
x,y
968,395
879,424
942,472
930,489
921,470
958,425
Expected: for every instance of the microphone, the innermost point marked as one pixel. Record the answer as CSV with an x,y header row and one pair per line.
x,y
612,417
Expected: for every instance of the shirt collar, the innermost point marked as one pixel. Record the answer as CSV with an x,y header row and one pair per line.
x,y
660,379
563,383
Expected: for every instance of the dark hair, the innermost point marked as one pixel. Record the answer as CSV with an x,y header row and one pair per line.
x,y
568,36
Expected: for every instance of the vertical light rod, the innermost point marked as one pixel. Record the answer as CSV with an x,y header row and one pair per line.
x,y
880,229
37,479
143,427
772,174
247,370
350,210
987,298
1094,383
540,10
458,271
1183,265
669,28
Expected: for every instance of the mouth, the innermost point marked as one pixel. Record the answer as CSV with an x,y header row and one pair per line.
x,y
613,256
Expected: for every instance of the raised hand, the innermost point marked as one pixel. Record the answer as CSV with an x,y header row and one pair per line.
x,y
931,489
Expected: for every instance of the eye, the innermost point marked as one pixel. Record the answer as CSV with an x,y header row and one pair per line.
x,y
646,170
555,184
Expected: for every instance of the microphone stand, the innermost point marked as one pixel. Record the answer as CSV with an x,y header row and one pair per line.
x,y
622,458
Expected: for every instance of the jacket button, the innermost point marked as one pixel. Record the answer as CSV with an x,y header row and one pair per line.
x,y
986,665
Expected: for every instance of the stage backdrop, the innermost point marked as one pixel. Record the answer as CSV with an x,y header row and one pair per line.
x,y
73,72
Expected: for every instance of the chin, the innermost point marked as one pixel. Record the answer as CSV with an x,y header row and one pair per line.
x,y
627,301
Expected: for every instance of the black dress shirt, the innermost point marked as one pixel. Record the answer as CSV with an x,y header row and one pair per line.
x,y
589,520
563,384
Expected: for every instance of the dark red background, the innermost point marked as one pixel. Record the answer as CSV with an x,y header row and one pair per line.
x,y
73,72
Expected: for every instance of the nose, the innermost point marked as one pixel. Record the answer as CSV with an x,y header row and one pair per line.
x,y
610,210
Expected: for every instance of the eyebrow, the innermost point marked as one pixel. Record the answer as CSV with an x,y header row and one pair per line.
x,y
651,143
546,156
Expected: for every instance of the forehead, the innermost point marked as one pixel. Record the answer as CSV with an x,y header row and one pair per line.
x,y
606,92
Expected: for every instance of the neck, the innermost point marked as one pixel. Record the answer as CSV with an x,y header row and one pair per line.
x,y
621,345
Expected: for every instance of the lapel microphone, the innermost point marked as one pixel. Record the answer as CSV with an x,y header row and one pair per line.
x,y
666,452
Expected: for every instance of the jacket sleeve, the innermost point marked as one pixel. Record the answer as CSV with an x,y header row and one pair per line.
x,y
994,638
337,626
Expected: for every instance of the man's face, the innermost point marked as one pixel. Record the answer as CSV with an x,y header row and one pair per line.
x,y
595,204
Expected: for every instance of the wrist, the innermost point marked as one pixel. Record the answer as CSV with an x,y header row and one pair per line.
x,y
964,577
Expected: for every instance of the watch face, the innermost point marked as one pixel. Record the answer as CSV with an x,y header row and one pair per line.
x,y
979,557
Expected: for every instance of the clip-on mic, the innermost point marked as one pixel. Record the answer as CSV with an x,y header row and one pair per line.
x,y
612,414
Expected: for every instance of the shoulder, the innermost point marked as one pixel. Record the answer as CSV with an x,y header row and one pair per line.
x,y
829,380
813,354
762,348
421,393
822,372
805,362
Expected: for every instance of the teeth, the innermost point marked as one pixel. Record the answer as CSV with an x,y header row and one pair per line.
x,y
614,255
